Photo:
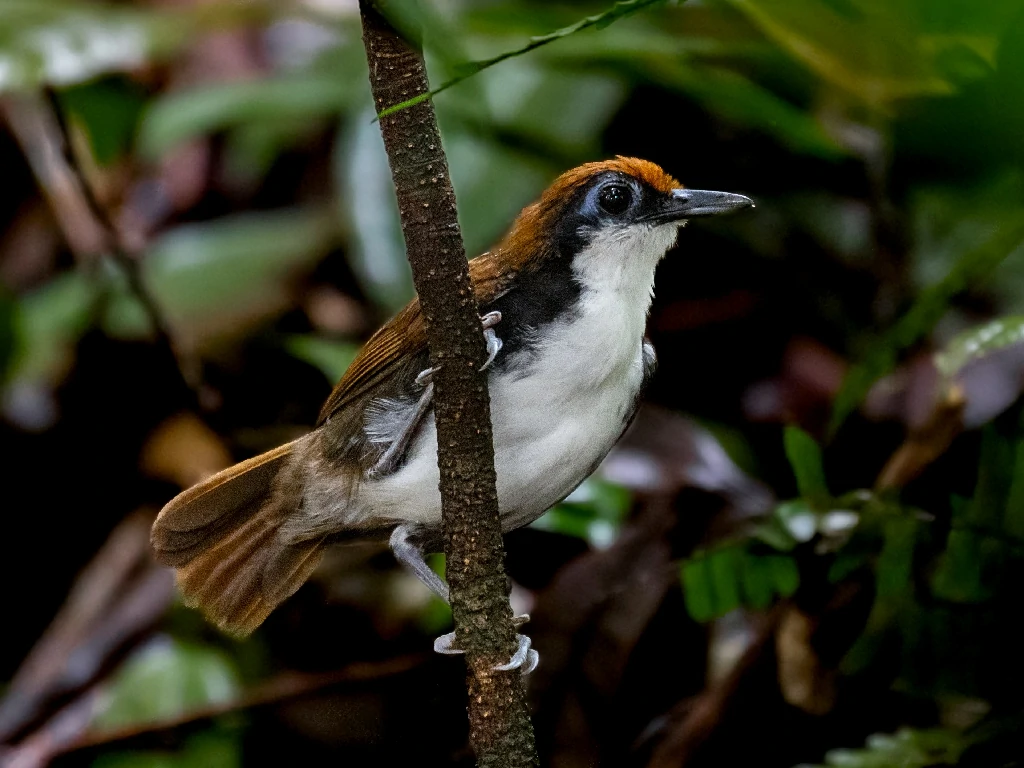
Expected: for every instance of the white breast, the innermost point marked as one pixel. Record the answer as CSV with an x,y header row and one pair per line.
x,y
554,423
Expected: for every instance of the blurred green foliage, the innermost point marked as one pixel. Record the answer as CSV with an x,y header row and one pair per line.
x,y
593,512
976,343
728,577
202,275
214,748
167,679
49,42
970,269
108,113
906,748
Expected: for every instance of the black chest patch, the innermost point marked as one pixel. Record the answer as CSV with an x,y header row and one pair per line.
x,y
540,297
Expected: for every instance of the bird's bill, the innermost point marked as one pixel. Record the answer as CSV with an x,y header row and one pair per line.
x,y
691,203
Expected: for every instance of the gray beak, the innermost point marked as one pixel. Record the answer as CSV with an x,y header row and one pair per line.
x,y
690,203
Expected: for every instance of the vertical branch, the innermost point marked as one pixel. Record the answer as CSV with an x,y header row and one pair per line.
x,y
500,728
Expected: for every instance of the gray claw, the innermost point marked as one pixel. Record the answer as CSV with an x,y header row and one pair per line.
x,y
525,658
444,644
494,343
425,377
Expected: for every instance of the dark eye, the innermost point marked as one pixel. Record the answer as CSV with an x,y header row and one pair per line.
x,y
615,198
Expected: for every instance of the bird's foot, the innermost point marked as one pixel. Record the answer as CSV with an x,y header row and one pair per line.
x,y
494,345
426,377
524,659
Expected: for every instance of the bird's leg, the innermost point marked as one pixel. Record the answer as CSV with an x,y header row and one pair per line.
x,y
390,458
411,555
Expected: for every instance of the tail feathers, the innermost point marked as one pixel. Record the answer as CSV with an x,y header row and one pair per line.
x,y
239,580
223,537
201,515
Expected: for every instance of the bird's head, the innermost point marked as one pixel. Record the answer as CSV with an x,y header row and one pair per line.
x,y
611,220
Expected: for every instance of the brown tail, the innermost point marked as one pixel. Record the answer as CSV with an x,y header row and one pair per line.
x,y
222,537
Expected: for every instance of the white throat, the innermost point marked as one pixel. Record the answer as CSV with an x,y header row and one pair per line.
x,y
621,263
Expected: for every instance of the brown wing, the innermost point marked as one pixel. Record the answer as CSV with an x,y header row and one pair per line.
x,y
405,336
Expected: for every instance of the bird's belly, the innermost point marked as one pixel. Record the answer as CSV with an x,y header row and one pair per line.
x,y
547,439
546,442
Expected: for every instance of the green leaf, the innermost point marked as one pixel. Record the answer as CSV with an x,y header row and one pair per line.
x,y
167,679
804,456
720,580
757,581
108,112
845,565
224,269
698,589
436,617
179,116
906,748
726,567
366,202
977,343
594,512
204,276
927,309
784,574
879,50
62,42
958,577
48,321
331,356
775,532
895,568
604,500
799,520
995,477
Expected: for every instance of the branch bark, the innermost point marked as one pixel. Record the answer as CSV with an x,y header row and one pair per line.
x,y
500,730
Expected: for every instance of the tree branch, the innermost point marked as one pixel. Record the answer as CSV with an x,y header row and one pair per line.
x,y
500,728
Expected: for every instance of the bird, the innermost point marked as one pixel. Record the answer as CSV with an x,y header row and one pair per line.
x,y
564,299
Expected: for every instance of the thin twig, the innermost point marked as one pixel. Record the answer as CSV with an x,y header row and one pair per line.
x,y
285,687
41,678
926,443
620,10
125,257
67,731
90,231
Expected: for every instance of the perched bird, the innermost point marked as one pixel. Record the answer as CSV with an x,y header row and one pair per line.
x,y
565,297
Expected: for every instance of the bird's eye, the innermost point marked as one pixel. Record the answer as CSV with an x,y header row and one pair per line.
x,y
615,198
